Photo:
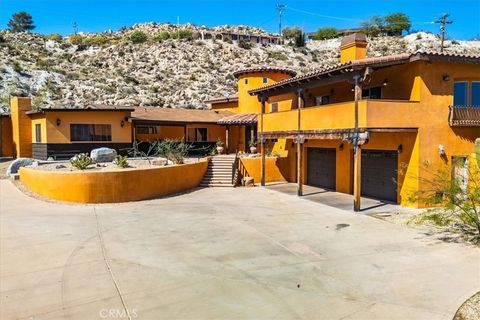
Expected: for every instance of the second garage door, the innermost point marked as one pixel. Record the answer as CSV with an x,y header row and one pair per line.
x,y
379,174
321,164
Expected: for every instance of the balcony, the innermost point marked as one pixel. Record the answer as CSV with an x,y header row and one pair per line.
x,y
371,114
460,116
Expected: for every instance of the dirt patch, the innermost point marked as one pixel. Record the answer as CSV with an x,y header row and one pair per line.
x,y
3,169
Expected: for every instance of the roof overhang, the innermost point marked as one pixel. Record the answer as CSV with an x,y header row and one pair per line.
x,y
242,118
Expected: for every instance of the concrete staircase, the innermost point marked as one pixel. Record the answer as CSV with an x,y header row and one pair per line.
x,y
219,172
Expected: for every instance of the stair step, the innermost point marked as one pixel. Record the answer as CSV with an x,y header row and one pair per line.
x,y
215,185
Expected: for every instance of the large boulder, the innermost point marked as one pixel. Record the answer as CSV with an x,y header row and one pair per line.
x,y
17,164
103,155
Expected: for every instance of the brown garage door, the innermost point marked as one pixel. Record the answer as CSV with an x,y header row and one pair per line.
x,y
321,164
379,174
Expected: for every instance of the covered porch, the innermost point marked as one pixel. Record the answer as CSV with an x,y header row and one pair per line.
x,y
240,132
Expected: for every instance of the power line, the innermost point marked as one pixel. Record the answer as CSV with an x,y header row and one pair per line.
x,y
322,15
443,23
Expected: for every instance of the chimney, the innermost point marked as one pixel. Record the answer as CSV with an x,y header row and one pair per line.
x,y
353,47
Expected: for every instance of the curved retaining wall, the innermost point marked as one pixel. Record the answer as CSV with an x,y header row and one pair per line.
x,y
113,186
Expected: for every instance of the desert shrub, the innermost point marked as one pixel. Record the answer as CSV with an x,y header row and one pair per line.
x,y
138,36
121,161
17,67
81,161
75,39
55,37
277,55
295,36
161,36
173,150
245,44
325,33
185,34
95,40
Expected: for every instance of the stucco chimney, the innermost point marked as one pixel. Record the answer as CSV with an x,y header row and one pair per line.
x,y
353,47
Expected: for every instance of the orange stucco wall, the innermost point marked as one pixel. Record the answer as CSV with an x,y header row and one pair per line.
x,y
113,186
164,132
6,136
276,169
61,133
21,127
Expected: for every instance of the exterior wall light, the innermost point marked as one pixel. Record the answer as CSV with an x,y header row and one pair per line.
x,y
122,123
340,147
446,77
400,149
385,83
441,150
59,122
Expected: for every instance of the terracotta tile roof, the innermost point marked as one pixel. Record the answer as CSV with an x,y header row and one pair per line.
x,y
374,62
264,69
242,118
178,115
230,98
90,107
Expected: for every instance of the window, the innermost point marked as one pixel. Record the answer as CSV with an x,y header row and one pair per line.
x,y
476,94
197,134
274,107
265,80
38,133
146,130
90,132
322,100
372,93
460,93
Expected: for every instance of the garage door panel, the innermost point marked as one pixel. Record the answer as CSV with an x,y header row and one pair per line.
x,y
379,174
321,171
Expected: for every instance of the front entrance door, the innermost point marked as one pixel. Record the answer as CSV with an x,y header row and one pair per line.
x,y
321,168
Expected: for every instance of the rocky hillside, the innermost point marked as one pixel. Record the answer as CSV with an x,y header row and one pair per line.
x,y
108,68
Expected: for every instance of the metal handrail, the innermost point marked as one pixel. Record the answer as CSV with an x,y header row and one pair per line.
x,y
464,116
234,167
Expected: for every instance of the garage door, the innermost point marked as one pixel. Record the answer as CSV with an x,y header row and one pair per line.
x,y
379,174
321,167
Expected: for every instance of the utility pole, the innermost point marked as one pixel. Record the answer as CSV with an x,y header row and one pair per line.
x,y
75,28
178,27
280,8
443,23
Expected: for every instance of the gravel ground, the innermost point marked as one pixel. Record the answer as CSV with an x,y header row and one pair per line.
x,y
470,309
103,166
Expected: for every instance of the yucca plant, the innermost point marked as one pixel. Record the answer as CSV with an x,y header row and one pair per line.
x,y
81,161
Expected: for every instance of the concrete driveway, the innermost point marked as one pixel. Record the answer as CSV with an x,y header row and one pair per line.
x,y
222,254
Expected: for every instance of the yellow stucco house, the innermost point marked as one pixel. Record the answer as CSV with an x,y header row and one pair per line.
x,y
367,125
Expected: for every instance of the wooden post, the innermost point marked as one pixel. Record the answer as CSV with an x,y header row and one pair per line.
x,y
262,145
227,129
252,133
357,152
299,145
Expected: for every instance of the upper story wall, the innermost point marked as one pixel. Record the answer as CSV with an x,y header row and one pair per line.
x,y
253,80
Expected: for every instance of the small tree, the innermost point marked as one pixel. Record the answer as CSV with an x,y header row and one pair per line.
x,y
457,204
21,22
295,36
375,26
325,33
138,36
396,23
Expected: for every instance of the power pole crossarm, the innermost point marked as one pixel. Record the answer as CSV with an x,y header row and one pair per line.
x,y
443,22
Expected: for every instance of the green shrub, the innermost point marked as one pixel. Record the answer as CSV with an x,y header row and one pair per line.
x,y
55,37
121,161
185,34
138,36
173,150
325,33
219,143
95,40
81,161
161,36
277,55
75,39
245,44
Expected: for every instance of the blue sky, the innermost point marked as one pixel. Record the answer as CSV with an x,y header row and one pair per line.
x,y
57,16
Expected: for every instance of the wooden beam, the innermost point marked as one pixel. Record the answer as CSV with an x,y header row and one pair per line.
x,y
227,145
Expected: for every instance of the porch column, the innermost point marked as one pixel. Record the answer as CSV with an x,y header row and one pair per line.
x,y
252,133
262,145
300,141
227,131
357,151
